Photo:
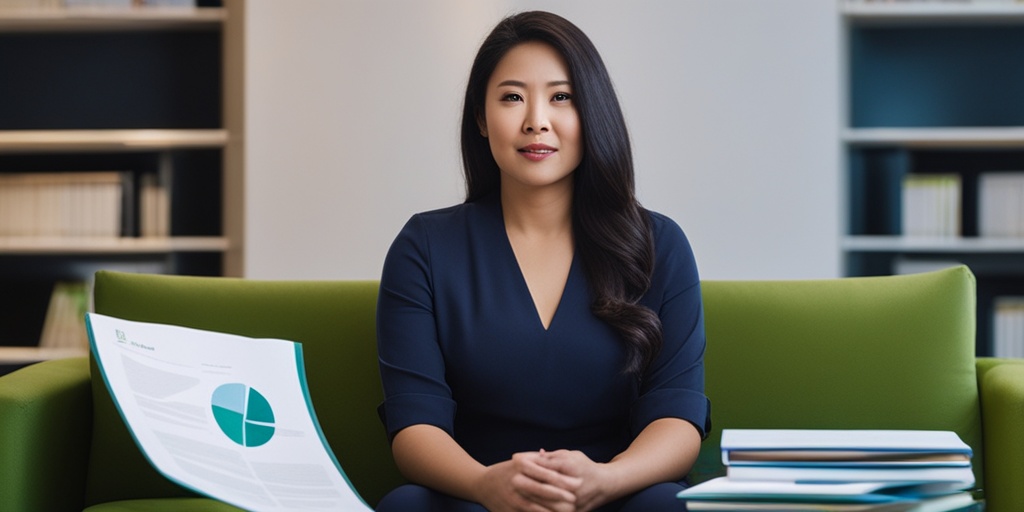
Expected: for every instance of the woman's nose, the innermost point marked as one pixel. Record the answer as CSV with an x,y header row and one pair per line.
x,y
536,121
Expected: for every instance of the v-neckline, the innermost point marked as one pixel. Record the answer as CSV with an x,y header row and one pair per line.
x,y
524,286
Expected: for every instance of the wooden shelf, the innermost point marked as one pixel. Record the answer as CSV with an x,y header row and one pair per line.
x,y
27,141
906,244
933,13
110,19
969,137
111,96
85,245
26,355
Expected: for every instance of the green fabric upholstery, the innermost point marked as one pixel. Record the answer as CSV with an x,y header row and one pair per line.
x,y
1002,406
164,505
891,352
334,321
884,352
45,410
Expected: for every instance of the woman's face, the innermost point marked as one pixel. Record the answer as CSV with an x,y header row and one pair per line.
x,y
529,118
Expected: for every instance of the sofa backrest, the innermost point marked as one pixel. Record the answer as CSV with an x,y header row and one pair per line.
x,y
894,352
334,321
880,352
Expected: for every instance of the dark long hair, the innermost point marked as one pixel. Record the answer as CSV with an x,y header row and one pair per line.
x,y
611,231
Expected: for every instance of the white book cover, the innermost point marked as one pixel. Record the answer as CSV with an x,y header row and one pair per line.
x,y
959,477
224,415
931,205
835,446
1008,327
1001,204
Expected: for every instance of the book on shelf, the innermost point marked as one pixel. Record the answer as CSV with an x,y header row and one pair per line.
x,y
1008,327
105,204
31,4
931,205
64,326
72,4
795,469
166,3
1001,204
903,265
93,4
154,206
61,204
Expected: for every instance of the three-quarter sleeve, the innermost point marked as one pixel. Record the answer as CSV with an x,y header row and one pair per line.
x,y
674,386
411,363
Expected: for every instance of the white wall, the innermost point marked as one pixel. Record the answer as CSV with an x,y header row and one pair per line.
x,y
353,108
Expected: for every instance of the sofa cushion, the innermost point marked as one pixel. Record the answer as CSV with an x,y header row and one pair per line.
x,y
894,352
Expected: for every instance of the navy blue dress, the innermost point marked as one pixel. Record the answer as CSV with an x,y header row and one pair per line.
x,y
462,347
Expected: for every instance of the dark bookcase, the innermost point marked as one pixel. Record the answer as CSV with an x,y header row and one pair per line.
x,y
152,95
932,89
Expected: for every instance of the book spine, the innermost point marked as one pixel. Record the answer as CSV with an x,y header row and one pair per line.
x,y
1008,327
1001,204
931,205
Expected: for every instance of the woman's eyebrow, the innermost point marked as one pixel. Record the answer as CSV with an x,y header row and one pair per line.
x,y
517,83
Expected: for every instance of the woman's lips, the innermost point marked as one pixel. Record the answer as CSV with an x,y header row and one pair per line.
x,y
537,152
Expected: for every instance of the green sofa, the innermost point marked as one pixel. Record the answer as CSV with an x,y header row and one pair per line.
x,y
882,352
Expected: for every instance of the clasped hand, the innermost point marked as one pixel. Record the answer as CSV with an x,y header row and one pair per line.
x,y
559,481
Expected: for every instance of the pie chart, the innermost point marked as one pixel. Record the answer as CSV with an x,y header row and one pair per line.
x,y
243,414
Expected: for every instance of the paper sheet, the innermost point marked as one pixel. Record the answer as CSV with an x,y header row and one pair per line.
x,y
226,416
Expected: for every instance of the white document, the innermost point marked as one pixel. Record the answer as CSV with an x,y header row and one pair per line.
x,y
224,415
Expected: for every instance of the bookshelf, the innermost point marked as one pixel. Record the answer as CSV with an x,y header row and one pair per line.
x,y
932,88
111,19
150,94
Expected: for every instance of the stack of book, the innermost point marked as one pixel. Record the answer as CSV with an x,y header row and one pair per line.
x,y
54,204
839,470
103,204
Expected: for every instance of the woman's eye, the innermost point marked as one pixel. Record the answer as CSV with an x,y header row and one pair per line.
x,y
512,97
562,97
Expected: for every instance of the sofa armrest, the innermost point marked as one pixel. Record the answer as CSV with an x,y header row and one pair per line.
x,y
1001,385
46,424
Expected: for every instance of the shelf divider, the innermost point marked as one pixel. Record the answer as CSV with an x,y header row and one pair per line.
x,y
907,244
942,137
78,19
107,245
27,141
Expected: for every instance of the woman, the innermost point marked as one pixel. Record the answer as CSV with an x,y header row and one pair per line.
x,y
541,345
